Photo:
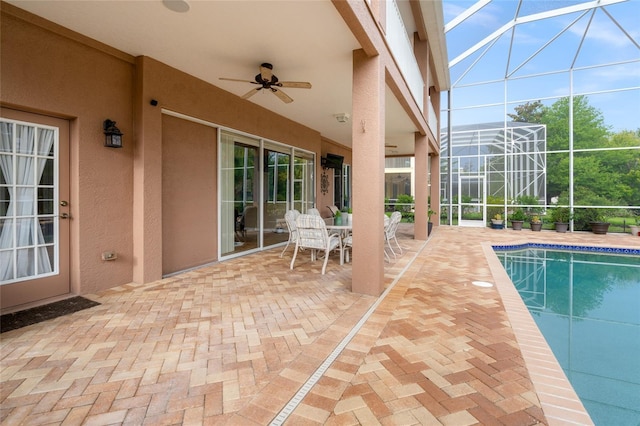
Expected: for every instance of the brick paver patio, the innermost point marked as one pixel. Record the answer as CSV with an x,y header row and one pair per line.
x,y
232,343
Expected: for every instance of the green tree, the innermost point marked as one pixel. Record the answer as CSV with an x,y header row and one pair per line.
x,y
529,112
624,165
589,131
606,189
617,170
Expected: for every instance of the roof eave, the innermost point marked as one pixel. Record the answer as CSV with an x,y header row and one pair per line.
x,y
433,17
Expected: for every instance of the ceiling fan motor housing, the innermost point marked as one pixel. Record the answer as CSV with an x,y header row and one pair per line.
x,y
266,83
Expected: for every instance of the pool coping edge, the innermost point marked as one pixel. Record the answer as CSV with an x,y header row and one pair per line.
x,y
559,401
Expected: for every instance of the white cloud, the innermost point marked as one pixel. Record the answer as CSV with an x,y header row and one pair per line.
x,y
606,33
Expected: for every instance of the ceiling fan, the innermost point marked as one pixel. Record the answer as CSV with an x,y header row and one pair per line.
x,y
267,80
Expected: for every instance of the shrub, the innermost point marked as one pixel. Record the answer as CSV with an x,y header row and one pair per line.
x,y
405,202
583,217
517,214
560,214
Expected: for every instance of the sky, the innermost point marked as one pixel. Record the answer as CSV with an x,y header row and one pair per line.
x,y
602,48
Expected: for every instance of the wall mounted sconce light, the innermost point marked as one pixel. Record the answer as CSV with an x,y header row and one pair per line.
x,y
112,135
343,117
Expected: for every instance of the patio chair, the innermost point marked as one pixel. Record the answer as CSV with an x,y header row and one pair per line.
x,y
387,221
248,220
333,210
313,235
347,246
313,211
390,232
290,219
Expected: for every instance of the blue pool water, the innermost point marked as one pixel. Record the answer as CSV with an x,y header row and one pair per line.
x,y
587,306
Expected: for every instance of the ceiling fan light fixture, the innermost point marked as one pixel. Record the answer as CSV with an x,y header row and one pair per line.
x,y
267,80
342,117
180,6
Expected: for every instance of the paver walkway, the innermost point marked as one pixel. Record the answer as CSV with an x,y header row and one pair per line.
x,y
233,342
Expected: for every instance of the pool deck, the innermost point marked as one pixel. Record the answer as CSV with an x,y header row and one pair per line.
x,y
232,343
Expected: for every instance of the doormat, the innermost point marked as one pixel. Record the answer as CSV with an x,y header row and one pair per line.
x,y
38,314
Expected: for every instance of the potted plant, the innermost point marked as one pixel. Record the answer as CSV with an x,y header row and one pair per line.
x,y
349,216
337,219
561,217
429,223
517,218
497,222
536,223
596,220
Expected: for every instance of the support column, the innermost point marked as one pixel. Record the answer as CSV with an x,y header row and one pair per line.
x,y
435,188
421,165
147,185
422,186
368,129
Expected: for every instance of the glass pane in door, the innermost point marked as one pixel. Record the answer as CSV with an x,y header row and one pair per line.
x,y
276,193
303,181
239,189
28,243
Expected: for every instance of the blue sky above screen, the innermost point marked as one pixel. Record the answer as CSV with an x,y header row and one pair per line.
x,y
602,48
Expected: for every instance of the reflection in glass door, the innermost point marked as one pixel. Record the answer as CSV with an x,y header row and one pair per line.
x,y
276,193
257,186
239,192
303,178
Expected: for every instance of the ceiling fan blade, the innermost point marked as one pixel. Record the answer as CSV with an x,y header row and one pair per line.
x,y
283,96
250,93
294,84
237,79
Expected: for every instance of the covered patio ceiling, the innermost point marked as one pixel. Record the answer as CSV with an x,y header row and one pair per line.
x,y
304,40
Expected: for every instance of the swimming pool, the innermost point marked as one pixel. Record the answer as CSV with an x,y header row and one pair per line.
x,y
586,303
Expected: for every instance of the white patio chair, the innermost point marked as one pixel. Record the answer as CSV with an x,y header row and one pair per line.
x,y
347,246
390,232
313,235
290,219
387,221
248,220
315,212
333,210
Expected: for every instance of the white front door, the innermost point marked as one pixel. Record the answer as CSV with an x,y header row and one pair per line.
x,y
34,208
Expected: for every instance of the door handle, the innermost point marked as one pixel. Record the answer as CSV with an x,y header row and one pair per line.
x,y
64,216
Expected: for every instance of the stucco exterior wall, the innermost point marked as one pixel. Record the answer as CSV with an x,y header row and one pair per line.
x,y
54,75
181,93
116,194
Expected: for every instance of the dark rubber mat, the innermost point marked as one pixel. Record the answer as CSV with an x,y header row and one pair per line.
x,y
38,314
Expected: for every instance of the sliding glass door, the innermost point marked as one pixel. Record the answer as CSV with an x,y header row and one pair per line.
x,y
239,193
258,185
277,160
303,181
